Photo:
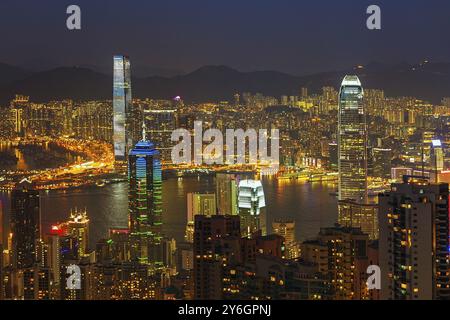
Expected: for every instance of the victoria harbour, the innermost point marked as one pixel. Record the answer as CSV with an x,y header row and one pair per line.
x,y
312,205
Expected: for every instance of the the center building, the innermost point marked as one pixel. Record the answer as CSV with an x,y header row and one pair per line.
x,y
145,203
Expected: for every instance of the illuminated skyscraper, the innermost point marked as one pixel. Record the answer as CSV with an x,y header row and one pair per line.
x,y
437,159
359,215
352,141
226,193
78,227
160,125
197,203
25,224
286,229
122,107
414,241
145,202
252,207
216,243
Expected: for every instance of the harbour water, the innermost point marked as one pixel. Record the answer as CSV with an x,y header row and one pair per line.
x,y
310,205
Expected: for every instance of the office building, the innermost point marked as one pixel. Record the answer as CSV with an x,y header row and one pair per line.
x,y
160,124
252,204
437,159
198,203
145,202
352,141
122,108
359,215
226,193
78,227
381,163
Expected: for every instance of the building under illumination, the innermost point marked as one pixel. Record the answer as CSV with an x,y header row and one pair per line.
x,y
198,203
145,202
352,141
359,215
252,206
160,125
226,193
437,159
122,104
25,224
78,227
414,241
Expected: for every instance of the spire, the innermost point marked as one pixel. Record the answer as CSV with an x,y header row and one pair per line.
x,y
143,131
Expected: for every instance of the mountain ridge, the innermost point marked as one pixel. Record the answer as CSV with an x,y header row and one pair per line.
x,y
428,81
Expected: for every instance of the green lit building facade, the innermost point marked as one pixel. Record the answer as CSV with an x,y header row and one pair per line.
x,y
145,203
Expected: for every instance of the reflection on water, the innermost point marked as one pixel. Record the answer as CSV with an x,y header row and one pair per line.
x,y
310,205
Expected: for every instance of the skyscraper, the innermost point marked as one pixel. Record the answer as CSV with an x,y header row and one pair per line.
x,y
352,141
145,202
25,224
437,159
359,215
414,241
160,124
286,229
341,254
226,193
216,243
252,205
78,227
198,203
382,163
122,104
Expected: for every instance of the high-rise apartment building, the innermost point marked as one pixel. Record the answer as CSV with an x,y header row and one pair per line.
x,y
352,141
414,241
25,224
216,243
341,255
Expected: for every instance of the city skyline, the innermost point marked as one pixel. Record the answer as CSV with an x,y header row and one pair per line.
x,y
229,185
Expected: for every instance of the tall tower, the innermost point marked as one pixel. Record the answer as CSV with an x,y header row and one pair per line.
x,y
25,224
226,193
78,227
252,207
352,141
414,241
145,202
122,107
437,159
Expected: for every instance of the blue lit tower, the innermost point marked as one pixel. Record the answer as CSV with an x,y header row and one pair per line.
x,y
145,202
352,141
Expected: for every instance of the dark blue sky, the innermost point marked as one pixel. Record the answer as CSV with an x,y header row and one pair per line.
x,y
294,36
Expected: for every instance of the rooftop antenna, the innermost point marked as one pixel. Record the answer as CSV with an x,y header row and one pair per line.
x,y
143,131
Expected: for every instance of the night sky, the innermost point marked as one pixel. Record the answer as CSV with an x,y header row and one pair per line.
x,y
293,36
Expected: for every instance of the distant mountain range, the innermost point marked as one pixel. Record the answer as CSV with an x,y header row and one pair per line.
x,y
429,81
